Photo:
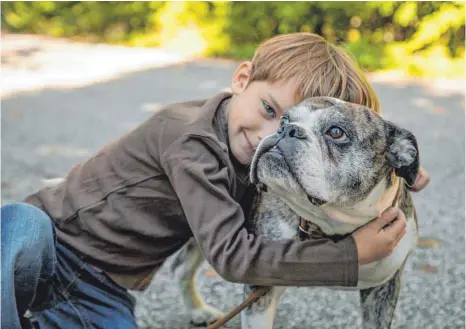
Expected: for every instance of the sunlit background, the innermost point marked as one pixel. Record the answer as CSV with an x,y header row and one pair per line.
x,y
76,75
417,38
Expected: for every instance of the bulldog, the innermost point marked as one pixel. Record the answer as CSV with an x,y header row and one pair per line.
x,y
332,167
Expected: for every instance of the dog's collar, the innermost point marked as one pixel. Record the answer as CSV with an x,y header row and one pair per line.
x,y
308,230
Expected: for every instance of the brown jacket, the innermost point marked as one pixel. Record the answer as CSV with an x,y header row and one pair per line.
x,y
140,198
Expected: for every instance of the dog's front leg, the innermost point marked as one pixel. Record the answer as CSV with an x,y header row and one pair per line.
x,y
261,313
378,303
185,266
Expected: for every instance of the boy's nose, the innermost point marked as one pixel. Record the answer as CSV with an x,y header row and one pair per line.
x,y
290,130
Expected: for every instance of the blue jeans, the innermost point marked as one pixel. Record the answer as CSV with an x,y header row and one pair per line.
x,y
41,275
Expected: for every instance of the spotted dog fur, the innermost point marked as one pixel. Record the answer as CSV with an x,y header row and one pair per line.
x,y
378,303
338,184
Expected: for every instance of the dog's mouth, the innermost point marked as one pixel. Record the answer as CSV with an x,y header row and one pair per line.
x,y
271,146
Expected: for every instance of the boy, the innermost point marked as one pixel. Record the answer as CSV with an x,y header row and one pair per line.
x,y
182,173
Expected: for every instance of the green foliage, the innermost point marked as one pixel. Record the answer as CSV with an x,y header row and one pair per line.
x,y
411,36
110,21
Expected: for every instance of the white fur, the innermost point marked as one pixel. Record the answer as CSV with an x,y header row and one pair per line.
x,y
362,212
341,221
377,273
287,229
315,180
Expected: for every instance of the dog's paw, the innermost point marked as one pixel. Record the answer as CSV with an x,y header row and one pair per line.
x,y
205,315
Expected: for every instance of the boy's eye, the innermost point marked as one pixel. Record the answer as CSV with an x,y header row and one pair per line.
x,y
269,109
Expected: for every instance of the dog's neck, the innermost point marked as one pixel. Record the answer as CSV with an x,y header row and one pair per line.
x,y
334,219
371,207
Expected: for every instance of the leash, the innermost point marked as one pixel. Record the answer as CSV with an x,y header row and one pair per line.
x,y
255,295
306,230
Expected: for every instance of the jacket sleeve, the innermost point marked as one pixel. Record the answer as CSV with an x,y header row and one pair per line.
x,y
199,175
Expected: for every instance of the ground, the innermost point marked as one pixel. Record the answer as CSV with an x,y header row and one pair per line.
x,y
62,101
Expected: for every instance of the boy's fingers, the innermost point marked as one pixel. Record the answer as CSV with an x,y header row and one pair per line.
x,y
387,217
398,238
398,228
422,179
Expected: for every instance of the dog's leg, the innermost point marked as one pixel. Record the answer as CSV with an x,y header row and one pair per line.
x,y
378,303
185,266
261,313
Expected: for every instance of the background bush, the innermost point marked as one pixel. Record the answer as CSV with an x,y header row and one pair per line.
x,y
421,38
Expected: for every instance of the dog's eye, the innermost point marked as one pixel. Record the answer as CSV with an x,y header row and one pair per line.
x,y
284,120
336,132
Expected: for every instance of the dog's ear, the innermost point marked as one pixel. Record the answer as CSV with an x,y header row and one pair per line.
x,y
403,152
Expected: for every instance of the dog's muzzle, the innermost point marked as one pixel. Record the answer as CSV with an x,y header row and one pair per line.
x,y
271,145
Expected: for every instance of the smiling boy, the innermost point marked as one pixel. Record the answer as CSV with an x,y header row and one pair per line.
x,y
183,173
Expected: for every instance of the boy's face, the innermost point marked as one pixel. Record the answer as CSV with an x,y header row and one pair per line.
x,y
255,110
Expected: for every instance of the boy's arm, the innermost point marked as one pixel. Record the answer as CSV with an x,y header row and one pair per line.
x,y
194,168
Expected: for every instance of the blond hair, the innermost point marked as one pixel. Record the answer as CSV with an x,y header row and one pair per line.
x,y
318,67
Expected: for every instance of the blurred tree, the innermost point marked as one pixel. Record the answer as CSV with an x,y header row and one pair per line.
x,y
428,36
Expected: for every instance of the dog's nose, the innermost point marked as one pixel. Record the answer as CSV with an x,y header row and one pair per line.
x,y
292,131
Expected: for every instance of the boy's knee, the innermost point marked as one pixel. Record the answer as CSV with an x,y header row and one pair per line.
x,y
21,221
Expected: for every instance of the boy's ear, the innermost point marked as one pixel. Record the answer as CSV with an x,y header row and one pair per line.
x,y
241,77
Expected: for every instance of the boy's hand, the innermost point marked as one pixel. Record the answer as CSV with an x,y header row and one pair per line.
x,y
422,180
374,242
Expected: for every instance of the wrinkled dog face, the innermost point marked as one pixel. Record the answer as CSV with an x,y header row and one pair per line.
x,y
330,151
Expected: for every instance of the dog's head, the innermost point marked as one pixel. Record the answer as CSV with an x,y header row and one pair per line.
x,y
334,152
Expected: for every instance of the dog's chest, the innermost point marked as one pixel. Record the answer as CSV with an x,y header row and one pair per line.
x,y
274,219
